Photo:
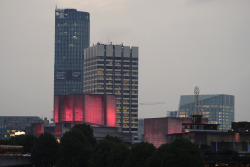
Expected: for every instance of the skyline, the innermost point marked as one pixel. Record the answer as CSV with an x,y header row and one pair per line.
x,y
185,43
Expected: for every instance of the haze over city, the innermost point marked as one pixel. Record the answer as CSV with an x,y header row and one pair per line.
x,y
182,44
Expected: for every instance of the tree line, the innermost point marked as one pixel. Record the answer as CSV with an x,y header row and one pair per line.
x,y
78,147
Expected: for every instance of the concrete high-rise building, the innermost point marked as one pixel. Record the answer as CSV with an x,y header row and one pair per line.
x,y
218,108
72,33
113,69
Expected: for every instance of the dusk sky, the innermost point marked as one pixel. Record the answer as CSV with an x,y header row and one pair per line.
x,y
182,44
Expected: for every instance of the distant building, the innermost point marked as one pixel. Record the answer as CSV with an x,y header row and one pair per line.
x,y
113,69
95,109
72,36
197,126
172,113
156,129
9,125
99,132
215,141
241,127
219,109
140,129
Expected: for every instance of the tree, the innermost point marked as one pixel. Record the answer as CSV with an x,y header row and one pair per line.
x,y
179,153
87,131
110,152
27,141
75,148
44,151
139,154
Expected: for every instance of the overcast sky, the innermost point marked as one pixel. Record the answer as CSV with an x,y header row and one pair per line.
x,y
182,44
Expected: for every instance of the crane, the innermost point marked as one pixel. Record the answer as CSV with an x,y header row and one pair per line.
x,y
151,103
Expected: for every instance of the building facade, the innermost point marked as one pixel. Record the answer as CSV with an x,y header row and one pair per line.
x,y
156,129
95,109
72,36
9,125
172,113
113,69
219,109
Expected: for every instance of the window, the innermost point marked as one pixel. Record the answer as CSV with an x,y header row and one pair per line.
x,y
126,82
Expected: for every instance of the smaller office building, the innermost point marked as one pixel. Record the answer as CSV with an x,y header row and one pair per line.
x,y
156,129
10,125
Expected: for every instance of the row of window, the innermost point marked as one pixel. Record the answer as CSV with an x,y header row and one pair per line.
x,y
126,115
126,120
126,125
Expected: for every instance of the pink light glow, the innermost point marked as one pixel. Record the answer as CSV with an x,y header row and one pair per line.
x,y
94,109
56,109
58,130
39,128
111,111
78,108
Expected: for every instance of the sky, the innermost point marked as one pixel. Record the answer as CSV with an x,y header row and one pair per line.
x,y
182,44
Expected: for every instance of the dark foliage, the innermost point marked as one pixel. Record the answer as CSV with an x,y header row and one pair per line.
x,y
44,151
139,154
177,154
27,141
110,152
75,147
87,131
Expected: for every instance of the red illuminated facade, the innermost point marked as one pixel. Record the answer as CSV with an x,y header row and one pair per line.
x,y
156,129
86,108
38,128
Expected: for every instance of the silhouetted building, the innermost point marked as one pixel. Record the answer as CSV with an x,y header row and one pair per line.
x,y
215,141
241,127
156,129
209,139
72,35
219,109
113,69
197,125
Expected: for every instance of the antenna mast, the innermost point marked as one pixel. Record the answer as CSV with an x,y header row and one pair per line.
x,y
196,93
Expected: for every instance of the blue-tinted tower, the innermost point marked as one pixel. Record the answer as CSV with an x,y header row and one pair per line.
x,y
72,36
218,108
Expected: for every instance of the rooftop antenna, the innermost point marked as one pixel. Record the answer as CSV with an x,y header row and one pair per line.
x,y
196,94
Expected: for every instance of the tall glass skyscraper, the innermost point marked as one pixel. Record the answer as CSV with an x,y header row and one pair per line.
x,y
113,69
218,108
72,36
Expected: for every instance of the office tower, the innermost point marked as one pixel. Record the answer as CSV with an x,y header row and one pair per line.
x,y
172,113
113,69
71,38
218,108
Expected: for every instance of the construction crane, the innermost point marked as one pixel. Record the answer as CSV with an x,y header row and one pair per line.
x,y
151,103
